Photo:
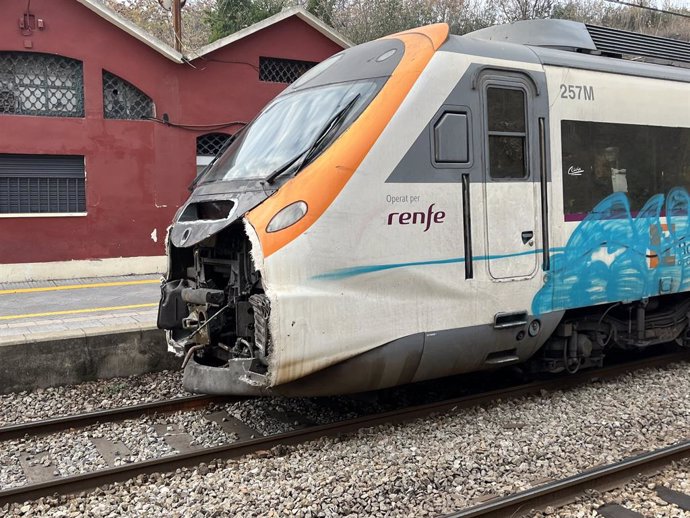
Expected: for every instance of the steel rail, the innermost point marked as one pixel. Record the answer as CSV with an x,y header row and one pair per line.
x,y
75,483
58,424
565,490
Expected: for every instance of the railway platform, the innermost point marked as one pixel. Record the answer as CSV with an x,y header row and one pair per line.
x,y
28,308
56,332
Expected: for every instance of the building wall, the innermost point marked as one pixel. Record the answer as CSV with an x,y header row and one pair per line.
x,y
137,172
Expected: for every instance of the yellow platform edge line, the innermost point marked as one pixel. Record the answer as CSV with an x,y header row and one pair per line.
x,y
79,286
76,311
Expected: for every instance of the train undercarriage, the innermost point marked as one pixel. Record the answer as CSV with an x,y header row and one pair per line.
x,y
584,336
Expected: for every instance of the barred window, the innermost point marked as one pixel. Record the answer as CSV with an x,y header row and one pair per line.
x,y
276,70
210,144
122,100
35,184
208,147
41,84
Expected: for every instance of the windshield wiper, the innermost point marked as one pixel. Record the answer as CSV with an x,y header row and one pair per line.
x,y
287,165
304,157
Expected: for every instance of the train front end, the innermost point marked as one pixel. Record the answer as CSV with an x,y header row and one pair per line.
x,y
214,305
221,301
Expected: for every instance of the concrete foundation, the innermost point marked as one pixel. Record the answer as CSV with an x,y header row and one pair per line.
x,y
60,358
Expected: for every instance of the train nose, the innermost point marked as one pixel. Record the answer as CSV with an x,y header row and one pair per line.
x,y
208,210
213,208
201,219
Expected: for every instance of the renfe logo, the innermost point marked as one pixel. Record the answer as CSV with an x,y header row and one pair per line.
x,y
417,218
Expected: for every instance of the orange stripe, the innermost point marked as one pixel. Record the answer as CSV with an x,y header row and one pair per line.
x,y
320,182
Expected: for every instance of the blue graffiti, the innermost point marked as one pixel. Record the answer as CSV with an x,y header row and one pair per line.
x,y
615,256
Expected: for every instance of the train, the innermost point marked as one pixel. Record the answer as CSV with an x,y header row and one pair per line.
x,y
428,204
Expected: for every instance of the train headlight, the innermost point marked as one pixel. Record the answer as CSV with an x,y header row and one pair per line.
x,y
287,216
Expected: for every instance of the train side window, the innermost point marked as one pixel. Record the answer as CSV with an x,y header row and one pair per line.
x,y
451,139
600,158
507,132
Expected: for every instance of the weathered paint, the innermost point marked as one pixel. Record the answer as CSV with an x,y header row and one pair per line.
x,y
329,304
137,171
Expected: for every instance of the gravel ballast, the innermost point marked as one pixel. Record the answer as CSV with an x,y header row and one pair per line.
x,y
423,468
88,397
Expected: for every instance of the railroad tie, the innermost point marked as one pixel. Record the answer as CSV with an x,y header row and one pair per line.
x,y
617,511
111,451
233,426
671,496
176,438
39,467
294,420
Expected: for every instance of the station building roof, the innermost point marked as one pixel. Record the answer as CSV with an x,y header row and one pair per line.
x,y
178,57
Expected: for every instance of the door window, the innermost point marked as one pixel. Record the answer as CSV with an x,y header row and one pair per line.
x,y
507,131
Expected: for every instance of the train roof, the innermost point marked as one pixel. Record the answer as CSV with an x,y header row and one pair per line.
x,y
579,45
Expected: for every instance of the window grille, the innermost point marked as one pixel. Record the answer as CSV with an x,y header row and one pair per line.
x,y
122,100
31,184
616,41
41,84
211,143
276,70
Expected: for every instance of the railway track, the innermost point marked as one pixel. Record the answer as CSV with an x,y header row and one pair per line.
x,y
246,445
57,424
560,492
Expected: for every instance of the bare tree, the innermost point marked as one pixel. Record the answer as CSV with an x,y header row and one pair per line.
x,y
364,20
150,16
629,18
513,10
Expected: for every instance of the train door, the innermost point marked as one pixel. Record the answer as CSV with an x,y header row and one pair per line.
x,y
511,175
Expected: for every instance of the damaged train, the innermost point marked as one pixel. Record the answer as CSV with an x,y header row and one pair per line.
x,y
429,204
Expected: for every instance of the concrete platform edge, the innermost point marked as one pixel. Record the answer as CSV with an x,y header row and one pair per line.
x,y
58,270
75,356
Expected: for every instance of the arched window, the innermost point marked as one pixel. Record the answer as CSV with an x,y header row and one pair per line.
x,y
122,100
208,146
32,83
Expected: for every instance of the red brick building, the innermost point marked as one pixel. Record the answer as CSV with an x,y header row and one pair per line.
x,y
102,128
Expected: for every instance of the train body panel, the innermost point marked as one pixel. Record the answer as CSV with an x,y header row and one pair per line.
x,y
340,294
480,205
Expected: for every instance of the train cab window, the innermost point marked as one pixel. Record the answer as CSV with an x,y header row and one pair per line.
x,y
507,132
